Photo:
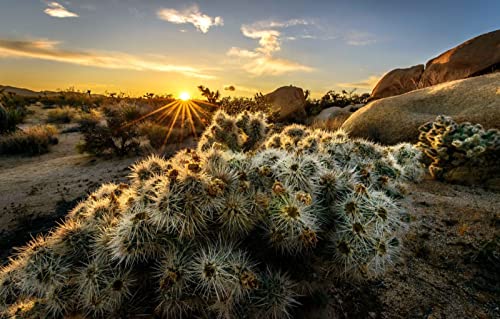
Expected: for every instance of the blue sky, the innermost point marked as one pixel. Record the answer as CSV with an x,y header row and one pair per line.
x,y
171,46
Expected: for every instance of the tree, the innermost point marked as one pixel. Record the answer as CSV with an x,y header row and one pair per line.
x,y
211,96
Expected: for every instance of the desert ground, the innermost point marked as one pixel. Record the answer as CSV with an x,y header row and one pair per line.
x,y
450,267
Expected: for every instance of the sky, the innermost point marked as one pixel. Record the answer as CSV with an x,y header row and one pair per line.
x,y
160,46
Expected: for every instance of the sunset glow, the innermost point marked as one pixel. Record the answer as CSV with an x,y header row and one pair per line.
x,y
184,96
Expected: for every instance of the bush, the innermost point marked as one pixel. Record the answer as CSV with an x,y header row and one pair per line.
x,y
237,105
10,117
221,232
32,141
449,145
113,132
62,115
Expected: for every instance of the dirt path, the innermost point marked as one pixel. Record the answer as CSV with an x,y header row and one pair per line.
x,y
36,191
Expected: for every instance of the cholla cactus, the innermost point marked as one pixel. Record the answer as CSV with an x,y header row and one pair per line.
x,y
243,133
221,231
450,145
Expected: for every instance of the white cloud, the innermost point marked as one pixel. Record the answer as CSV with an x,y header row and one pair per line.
x,y
192,15
242,53
261,59
268,65
48,50
57,10
368,83
357,38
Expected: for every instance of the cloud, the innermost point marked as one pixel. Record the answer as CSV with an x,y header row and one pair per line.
x,y
55,9
261,59
48,50
368,83
192,15
357,38
242,53
267,65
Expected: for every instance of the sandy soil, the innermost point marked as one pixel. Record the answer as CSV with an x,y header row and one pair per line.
x,y
37,191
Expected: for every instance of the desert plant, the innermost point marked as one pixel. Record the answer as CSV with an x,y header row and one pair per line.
x,y
61,115
114,131
10,117
450,145
233,229
211,96
35,140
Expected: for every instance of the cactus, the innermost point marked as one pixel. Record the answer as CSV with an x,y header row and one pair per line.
x,y
450,145
226,230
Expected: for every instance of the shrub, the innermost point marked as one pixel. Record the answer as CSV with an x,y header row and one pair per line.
x,y
237,105
32,141
234,229
450,145
61,115
10,117
113,132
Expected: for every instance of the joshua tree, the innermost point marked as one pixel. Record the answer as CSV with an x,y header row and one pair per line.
x,y
211,96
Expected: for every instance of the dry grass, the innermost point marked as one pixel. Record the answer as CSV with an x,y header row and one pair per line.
x,y
62,115
35,140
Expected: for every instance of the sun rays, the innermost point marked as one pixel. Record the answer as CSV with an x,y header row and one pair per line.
x,y
184,116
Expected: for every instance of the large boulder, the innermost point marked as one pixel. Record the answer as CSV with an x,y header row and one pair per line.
x,y
289,101
476,56
397,82
396,119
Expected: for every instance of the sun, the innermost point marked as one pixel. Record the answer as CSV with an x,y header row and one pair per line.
x,y
184,96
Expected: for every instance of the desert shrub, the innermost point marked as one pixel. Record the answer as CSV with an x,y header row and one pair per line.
x,y
62,115
333,98
222,232
32,141
115,131
155,133
449,145
10,117
237,105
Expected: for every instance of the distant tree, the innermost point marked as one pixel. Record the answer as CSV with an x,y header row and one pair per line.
x,y
211,96
149,96
307,93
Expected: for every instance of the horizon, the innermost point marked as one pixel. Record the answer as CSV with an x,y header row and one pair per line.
x,y
173,46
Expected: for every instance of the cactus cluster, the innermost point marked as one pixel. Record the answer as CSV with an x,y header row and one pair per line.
x,y
235,229
450,145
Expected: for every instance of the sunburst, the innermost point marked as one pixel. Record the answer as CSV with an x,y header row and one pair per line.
x,y
184,113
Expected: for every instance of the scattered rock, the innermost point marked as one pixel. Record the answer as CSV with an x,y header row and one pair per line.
x,y
289,101
396,119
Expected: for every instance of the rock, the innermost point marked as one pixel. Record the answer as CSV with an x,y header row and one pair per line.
x,y
396,119
397,82
476,56
334,111
331,112
289,101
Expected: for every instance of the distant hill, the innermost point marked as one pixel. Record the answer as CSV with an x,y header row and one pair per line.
x,y
31,93
19,91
